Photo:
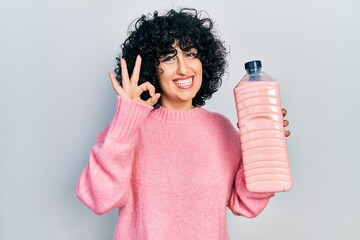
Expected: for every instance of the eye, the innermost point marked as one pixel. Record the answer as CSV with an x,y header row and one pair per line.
x,y
167,59
191,54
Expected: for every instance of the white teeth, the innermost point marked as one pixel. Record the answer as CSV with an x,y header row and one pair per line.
x,y
184,82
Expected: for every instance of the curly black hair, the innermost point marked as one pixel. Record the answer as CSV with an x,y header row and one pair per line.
x,y
153,38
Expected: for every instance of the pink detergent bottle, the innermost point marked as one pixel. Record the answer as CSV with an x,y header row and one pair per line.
x,y
264,147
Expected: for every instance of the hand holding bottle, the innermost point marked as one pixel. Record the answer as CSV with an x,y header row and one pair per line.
x,y
285,123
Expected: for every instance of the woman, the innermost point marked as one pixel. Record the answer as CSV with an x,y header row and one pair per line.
x,y
170,166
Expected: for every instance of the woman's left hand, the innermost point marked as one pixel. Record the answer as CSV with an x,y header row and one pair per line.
x,y
285,122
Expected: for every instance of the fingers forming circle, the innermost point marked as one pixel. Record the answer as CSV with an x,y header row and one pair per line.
x,y
146,86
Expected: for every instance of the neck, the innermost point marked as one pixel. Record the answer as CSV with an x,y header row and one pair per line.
x,y
177,106
179,116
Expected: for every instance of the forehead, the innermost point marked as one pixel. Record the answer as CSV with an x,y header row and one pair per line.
x,y
182,46
178,46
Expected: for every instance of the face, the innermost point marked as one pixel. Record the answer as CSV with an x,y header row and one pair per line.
x,y
180,78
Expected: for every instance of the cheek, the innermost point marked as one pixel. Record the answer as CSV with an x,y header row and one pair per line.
x,y
163,83
161,77
160,74
163,73
200,70
199,67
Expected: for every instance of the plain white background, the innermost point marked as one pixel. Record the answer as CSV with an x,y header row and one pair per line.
x,y
55,97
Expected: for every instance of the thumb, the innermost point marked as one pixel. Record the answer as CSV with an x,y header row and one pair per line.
x,y
153,99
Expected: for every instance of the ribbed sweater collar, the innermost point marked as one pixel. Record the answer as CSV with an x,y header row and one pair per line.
x,y
178,116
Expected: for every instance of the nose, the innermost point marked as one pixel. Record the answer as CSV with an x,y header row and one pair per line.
x,y
182,67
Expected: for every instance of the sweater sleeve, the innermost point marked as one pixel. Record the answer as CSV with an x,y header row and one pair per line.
x,y
104,184
245,203
241,201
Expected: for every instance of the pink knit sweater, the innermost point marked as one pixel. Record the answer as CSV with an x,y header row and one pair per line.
x,y
172,173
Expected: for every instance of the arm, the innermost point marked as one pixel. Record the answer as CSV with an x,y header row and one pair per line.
x,y
245,203
105,182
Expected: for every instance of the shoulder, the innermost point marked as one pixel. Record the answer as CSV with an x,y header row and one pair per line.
x,y
223,133
219,118
222,123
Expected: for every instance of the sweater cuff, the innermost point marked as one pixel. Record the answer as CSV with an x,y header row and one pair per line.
x,y
128,118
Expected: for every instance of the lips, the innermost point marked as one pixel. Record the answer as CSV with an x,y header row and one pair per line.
x,y
184,83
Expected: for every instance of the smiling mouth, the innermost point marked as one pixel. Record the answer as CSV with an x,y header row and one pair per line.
x,y
184,83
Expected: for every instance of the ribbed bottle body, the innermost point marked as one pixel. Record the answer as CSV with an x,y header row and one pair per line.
x,y
264,148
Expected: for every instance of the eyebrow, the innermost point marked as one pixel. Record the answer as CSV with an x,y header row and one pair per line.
x,y
173,52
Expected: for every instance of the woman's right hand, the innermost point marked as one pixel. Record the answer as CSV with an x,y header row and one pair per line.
x,y
130,88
